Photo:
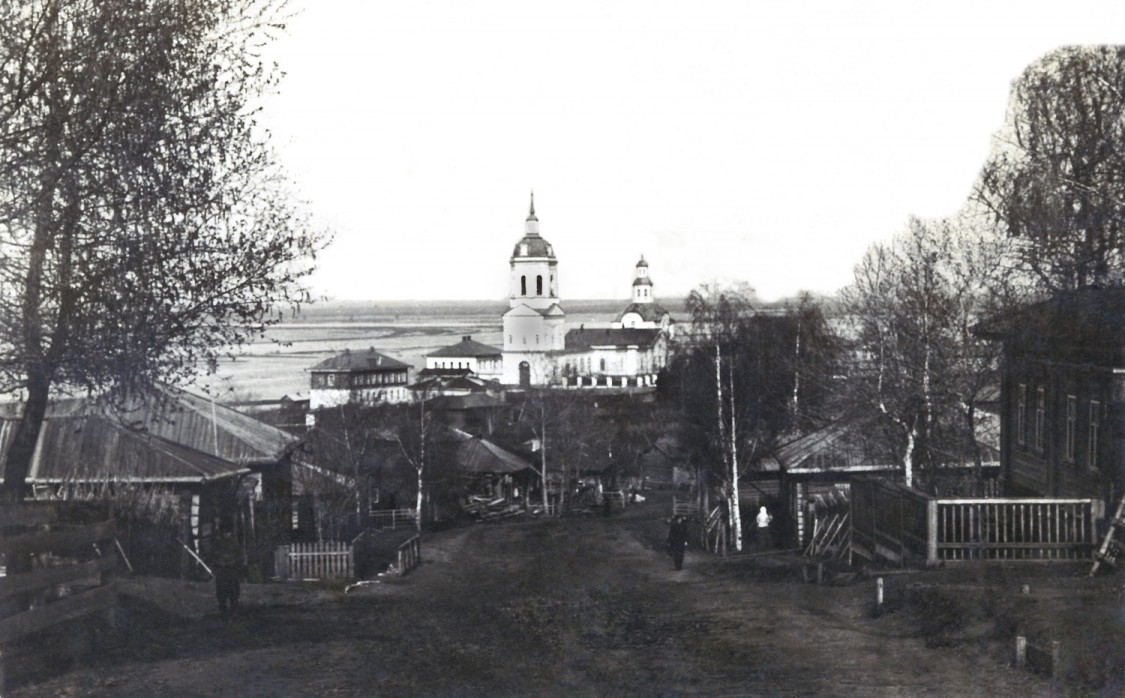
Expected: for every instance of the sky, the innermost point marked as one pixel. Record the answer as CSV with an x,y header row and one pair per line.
x,y
761,142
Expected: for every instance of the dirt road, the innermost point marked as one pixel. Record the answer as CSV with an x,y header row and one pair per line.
x,y
553,608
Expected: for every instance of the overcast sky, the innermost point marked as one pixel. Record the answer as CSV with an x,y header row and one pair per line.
x,y
769,143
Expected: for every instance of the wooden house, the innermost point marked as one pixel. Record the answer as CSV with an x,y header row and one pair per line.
x,y
359,377
168,457
1062,392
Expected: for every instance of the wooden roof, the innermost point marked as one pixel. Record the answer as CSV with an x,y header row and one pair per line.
x,y
169,435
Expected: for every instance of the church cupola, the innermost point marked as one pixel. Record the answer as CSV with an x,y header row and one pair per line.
x,y
534,276
642,284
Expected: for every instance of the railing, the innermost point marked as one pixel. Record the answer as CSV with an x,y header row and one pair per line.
x,y
409,555
903,525
1012,529
322,560
393,518
52,573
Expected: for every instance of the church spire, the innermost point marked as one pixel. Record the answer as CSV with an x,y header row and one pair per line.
x,y
531,214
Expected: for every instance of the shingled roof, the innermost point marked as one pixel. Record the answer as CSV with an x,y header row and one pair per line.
x,y
467,347
480,456
359,361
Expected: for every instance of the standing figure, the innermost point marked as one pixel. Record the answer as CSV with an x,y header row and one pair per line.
x,y
763,520
677,540
227,567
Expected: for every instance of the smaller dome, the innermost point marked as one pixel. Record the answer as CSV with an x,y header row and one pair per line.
x,y
642,281
642,263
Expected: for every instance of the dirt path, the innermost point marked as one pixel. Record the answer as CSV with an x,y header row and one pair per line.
x,y
552,608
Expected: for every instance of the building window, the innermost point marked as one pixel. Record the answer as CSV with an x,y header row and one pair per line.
x,y
602,364
539,285
523,285
1040,416
1021,416
331,379
1071,416
1092,435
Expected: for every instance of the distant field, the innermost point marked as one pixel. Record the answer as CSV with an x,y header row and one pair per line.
x,y
407,330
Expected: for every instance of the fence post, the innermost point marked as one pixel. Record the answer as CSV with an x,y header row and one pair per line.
x,y
1021,651
878,596
1056,668
931,532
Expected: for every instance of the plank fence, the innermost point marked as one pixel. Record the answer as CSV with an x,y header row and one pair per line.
x,y
321,560
904,526
53,573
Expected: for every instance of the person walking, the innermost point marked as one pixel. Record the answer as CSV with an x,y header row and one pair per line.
x,y
677,540
763,520
228,568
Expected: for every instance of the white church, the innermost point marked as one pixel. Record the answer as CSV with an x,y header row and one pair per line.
x,y
540,351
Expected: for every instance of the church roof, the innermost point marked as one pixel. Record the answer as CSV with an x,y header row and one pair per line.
x,y
554,311
359,362
642,281
585,338
649,312
467,347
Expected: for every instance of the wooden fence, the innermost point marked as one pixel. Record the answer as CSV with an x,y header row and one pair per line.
x,y
904,526
53,573
322,560
393,518
409,555
1012,529
685,507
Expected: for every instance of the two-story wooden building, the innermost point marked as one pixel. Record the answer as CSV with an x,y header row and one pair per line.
x,y
1062,394
359,376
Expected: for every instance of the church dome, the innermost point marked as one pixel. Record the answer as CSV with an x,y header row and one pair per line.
x,y
532,244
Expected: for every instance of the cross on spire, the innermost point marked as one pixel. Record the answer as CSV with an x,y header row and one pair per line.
x,y
531,214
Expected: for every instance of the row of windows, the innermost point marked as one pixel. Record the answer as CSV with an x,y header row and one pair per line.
x,y
1037,437
481,363
334,380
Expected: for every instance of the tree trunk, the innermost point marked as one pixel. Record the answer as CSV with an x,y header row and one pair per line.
x,y
733,506
25,438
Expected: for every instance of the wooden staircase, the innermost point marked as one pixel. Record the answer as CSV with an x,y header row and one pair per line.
x,y
1113,546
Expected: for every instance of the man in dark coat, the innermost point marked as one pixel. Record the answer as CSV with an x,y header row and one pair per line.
x,y
227,566
677,540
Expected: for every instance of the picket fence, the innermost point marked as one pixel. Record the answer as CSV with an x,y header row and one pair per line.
x,y
321,560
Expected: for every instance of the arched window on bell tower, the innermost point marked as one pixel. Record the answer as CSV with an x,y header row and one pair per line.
x,y
523,285
539,285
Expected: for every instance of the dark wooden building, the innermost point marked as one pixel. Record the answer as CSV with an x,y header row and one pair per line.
x,y
1062,393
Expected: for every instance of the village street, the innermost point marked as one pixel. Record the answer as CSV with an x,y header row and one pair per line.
x,y
574,607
